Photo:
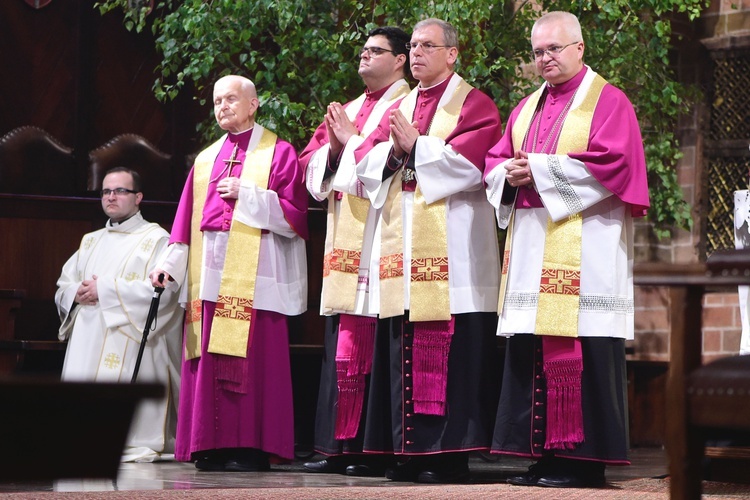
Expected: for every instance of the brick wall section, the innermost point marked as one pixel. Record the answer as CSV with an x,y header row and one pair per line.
x,y
721,317
722,325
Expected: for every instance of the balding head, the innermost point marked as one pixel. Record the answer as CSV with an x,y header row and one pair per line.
x,y
235,103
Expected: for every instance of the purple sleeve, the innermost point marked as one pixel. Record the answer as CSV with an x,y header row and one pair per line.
x,y
319,139
478,128
181,226
615,155
287,179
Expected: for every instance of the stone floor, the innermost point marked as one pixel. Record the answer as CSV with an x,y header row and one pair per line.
x,y
646,463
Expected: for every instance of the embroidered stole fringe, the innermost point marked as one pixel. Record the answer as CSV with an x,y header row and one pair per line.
x,y
354,351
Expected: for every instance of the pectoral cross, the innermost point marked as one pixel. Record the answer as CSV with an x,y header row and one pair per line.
x,y
232,161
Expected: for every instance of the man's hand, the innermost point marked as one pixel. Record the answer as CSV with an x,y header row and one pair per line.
x,y
340,128
229,187
154,277
87,295
518,171
404,134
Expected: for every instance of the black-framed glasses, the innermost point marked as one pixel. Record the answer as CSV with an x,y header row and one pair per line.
x,y
117,191
374,51
427,47
551,51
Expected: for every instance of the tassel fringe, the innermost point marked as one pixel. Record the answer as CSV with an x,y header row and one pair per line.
x,y
351,397
564,405
432,340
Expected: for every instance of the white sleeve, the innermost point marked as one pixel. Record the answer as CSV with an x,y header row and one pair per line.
x,y
565,185
441,171
260,208
318,187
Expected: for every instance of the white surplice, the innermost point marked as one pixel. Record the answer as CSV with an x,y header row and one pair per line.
x,y
345,181
104,339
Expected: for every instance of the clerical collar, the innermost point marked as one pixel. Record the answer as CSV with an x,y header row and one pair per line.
x,y
239,136
444,82
569,86
377,94
126,224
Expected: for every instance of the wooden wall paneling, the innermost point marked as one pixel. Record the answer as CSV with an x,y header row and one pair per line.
x,y
43,233
37,54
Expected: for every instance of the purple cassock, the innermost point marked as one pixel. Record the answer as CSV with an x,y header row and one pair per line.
x,y
211,417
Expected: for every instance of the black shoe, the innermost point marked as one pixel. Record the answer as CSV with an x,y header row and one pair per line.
x,y
572,481
210,464
568,473
330,465
240,465
406,472
362,470
533,475
460,475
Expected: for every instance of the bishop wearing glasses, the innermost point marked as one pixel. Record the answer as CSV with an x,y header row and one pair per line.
x,y
567,179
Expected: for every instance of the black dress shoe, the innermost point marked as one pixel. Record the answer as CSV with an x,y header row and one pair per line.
x,y
460,475
406,472
569,473
533,475
330,465
259,464
210,464
572,481
362,470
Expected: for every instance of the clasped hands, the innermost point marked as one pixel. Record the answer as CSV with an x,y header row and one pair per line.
x,y
339,127
518,171
87,294
403,133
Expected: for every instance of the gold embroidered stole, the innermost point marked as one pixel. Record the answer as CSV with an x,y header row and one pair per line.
x,y
345,232
559,288
230,326
429,286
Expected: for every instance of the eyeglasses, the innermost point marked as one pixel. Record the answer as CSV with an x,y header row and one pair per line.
x,y
427,47
551,51
374,51
117,191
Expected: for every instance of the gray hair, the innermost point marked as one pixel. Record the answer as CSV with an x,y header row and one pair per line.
x,y
450,35
570,23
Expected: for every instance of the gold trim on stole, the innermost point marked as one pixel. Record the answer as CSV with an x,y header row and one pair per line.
x,y
230,328
429,288
345,233
559,288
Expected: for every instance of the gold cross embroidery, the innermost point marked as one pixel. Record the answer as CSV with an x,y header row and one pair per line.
x,y
560,281
193,312
87,244
112,361
429,269
346,261
147,245
131,276
234,307
391,266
